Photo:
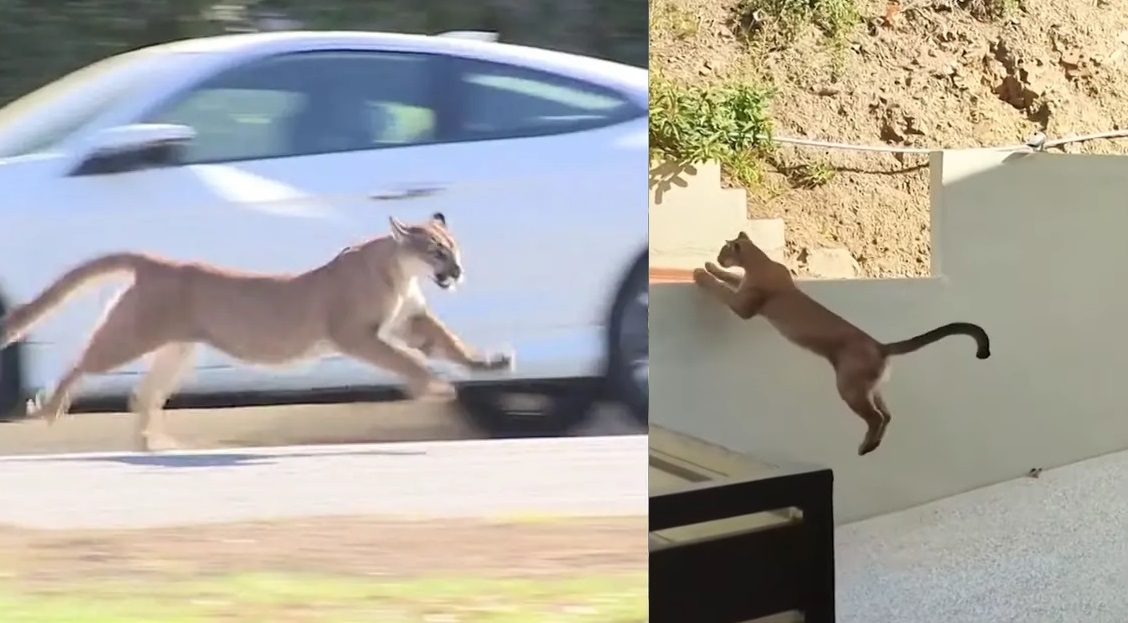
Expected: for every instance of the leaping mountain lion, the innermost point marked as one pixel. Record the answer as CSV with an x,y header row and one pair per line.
x,y
365,303
860,361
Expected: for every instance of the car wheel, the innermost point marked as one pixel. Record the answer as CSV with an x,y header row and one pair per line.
x,y
530,408
628,372
11,381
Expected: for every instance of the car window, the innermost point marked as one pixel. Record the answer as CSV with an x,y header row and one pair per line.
x,y
234,123
309,103
504,101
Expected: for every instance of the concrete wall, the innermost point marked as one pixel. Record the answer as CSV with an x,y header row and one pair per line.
x,y
1031,246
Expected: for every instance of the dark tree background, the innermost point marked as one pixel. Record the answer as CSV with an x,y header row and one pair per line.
x,y
42,40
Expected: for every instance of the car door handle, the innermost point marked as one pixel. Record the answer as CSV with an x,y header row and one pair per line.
x,y
414,192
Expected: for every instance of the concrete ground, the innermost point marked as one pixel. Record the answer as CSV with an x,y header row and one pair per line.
x,y
97,519
482,479
271,426
1034,550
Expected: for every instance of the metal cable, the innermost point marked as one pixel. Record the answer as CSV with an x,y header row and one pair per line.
x,y
789,140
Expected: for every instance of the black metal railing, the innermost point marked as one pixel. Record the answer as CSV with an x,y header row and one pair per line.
x,y
741,576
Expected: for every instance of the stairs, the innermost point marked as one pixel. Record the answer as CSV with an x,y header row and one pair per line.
x,y
691,215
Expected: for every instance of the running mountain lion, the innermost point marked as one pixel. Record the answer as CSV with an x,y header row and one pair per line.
x,y
365,303
860,362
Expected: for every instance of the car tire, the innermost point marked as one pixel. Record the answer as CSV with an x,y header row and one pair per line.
x,y
11,379
562,406
628,367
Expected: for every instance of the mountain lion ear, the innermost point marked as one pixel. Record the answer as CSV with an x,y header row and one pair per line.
x,y
438,216
399,230
742,236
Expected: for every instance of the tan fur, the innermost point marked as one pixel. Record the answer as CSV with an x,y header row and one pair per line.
x,y
860,361
362,303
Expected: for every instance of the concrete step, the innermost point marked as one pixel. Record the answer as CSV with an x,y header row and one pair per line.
x,y
704,174
708,173
689,222
688,189
770,234
688,229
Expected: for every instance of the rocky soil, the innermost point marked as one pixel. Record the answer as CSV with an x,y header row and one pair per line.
x,y
920,74
345,546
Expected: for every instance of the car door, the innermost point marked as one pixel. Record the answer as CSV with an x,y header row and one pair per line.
x,y
538,193
262,187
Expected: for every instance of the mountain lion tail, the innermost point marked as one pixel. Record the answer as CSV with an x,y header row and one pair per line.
x,y
913,344
18,321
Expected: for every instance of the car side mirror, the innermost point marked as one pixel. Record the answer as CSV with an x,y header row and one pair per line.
x,y
135,146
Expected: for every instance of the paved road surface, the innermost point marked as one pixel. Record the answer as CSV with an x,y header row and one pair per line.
x,y
271,426
512,479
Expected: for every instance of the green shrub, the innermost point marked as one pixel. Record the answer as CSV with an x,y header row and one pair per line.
x,y
835,18
729,124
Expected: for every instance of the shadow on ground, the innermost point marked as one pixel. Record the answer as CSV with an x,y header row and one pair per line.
x,y
224,459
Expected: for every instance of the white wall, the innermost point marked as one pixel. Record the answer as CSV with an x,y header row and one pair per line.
x,y
1031,246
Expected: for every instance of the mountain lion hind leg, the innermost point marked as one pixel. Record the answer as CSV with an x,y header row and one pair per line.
x,y
434,339
122,337
857,381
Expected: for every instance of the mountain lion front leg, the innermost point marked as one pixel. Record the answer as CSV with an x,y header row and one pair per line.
x,y
434,339
364,344
730,277
169,365
744,301
119,339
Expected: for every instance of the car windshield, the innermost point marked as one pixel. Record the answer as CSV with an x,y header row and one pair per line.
x,y
41,119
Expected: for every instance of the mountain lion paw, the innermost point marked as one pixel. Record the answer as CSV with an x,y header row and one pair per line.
x,y
156,442
505,360
35,408
867,446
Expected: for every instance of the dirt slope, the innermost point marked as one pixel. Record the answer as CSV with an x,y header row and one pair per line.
x,y
931,75
332,545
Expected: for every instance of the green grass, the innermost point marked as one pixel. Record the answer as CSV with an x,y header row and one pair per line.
x,y
692,124
781,20
679,22
991,10
812,175
257,598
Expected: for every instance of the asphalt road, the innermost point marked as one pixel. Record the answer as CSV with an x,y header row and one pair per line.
x,y
505,479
